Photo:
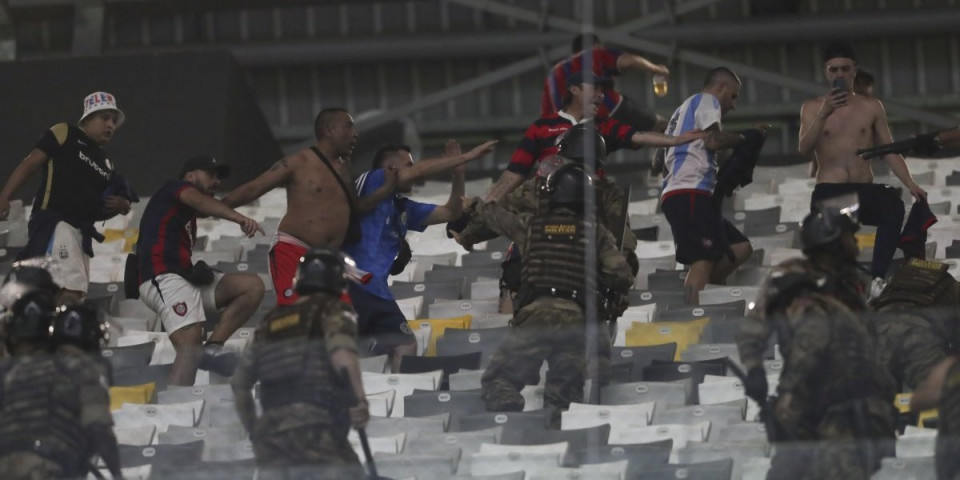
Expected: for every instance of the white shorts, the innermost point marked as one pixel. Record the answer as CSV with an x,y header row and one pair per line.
x,y
177,302
72,270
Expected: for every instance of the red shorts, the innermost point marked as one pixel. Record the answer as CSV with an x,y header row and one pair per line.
x,y
284,258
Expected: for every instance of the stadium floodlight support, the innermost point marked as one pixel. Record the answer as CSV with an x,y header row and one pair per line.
x,y
525,65
624,38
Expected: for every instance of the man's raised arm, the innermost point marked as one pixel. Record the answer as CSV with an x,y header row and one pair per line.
x,y
425,168
278,175
33,161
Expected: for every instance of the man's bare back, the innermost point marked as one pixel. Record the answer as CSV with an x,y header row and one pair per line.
x,y
318,210
847,129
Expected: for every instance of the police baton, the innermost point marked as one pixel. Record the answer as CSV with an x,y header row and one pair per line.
x,y
361,432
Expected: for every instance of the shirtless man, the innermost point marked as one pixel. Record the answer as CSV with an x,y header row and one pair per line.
x,y
322,204
832,128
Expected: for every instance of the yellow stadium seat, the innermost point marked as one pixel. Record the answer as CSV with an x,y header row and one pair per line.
x,y
925,415
437,327
866,239
902,402
659,333
132,394
129,237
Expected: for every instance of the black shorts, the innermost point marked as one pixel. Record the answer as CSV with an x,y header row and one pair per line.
x,y
380,323
631,113
699,230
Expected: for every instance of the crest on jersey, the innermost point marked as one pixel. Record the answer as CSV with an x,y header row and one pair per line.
x,y
63,252
180,308
108,163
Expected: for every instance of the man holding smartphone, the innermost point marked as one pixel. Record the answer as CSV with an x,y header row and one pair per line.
x,y
832,128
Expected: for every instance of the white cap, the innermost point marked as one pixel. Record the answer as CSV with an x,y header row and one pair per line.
x,y
97,101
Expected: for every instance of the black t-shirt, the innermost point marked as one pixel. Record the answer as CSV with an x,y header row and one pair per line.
x,y
75,176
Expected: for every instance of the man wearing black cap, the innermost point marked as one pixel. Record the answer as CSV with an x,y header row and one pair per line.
x,y
832,128
580,105
178,290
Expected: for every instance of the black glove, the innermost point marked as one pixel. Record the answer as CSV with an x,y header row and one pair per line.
x,y
927,144
403,258
458,225
756,385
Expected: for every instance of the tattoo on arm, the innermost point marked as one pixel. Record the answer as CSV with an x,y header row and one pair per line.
x,y
718,140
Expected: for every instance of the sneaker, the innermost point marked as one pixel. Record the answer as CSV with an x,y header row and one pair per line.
x,y
222,364
876,287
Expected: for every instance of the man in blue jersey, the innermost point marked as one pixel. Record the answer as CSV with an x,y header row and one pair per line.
x,y
385,227
706,242
177,289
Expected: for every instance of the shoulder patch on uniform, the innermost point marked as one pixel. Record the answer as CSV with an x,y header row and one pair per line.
x,y
60,131
285,322
928,264
560,228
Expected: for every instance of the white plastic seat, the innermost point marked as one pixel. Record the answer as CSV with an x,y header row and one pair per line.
x,y
403,383
162,416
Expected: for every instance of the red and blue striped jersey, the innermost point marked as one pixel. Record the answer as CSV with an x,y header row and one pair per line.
x,y
168,230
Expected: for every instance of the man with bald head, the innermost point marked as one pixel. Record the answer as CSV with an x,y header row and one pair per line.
x,y
832,127
322,204
706,242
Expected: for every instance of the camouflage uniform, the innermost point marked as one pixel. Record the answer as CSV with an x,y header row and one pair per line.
x,y
550,323
305,403
917,320
948,426
841,394
49,406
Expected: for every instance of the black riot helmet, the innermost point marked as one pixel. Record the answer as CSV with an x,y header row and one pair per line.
x,y
573,144
567,186
24,278
30,318
79,325
321,270
823,227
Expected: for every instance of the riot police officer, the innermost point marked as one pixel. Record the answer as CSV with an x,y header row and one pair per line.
x,y
557,296
298,354
54,409
833,389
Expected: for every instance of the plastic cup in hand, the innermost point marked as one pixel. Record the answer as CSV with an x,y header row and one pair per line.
x,y
660,85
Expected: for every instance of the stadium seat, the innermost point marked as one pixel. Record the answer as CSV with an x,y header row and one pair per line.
x,y
482,259
575,439
720,294
223,414
135,394
449,364
421,467
916,442
427,262
682,334
580,415
136,436
457,308
387,444
210,393
228,452
695,453
718,311
465,380
659,297
381,403
484,341
157,374
695,371
176,435
429,291
457,404
380,426
639,358
403,384
437,328
485,290
183,455
491,320
373,364
680,434
442,273
711,351
715,414
467,442
739,433
666,280
161,416
672,393
640,456
512,423
130,356
598,471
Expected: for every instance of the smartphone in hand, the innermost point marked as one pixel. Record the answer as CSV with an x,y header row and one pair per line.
x,y
840,84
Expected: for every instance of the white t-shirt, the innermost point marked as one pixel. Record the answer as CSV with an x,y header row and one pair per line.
x,y
691,166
